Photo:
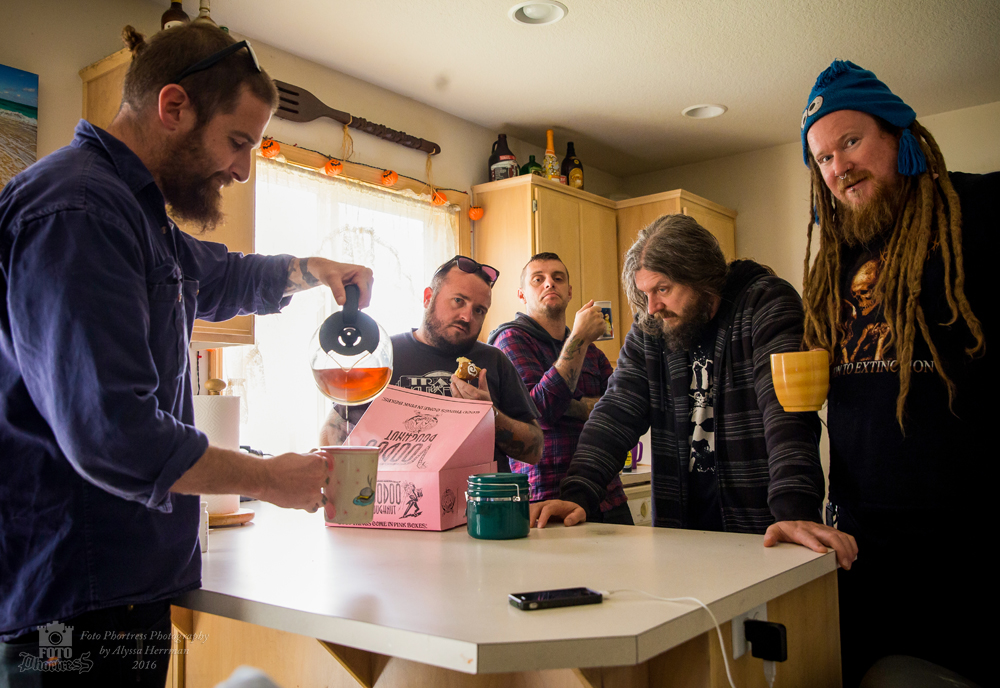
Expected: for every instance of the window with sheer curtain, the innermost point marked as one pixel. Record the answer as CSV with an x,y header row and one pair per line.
x,y
401,236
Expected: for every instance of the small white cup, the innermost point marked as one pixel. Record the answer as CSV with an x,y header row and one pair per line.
x,y
350,495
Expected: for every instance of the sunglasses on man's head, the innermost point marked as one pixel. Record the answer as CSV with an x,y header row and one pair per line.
x,y
215,58
472,267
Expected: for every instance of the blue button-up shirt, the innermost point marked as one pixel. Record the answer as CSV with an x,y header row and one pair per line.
x,y
100,291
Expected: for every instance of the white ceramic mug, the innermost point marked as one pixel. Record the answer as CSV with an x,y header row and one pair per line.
x,y
350,494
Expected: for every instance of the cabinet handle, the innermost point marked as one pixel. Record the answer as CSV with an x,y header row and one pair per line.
x,y
642,510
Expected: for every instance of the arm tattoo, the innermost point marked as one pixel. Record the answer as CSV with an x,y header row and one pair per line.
x,y
573,376
307,276
334,431
515,448
571,349
519,449
511,446
299,277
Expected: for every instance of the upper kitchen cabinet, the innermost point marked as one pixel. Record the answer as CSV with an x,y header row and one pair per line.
x,y
636,213
102,92
527,215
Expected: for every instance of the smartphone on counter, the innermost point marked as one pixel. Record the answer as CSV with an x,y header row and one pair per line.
x,y
547,599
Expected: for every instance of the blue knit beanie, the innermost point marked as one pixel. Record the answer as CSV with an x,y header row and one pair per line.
x,y
845,86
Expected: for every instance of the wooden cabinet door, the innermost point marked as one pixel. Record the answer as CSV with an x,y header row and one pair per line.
x,y
585,237
102,93
599,277
557,230
504,240
632,219
721,226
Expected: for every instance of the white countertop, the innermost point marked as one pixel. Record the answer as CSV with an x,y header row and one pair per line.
x,y
441,598
642,473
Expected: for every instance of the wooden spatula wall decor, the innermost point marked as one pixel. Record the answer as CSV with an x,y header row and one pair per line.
x,y
299,105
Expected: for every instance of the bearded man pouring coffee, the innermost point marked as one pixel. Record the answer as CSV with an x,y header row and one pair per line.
x,y
101,461
896,294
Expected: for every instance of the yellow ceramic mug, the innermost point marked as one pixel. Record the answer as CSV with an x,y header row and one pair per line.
x,y
801,379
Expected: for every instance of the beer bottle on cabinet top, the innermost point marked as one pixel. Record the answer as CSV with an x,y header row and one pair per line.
x,y
204,13
550,163
503,164
532,167
174,16
572,168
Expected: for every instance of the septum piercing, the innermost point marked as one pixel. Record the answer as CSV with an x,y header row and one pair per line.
x,y
844,177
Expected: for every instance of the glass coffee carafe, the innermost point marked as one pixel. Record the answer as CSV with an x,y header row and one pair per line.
x,y
351,355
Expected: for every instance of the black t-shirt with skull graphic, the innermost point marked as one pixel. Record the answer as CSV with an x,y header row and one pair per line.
x,y
931,473
704,500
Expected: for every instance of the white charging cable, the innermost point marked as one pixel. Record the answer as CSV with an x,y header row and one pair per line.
x,y
704,606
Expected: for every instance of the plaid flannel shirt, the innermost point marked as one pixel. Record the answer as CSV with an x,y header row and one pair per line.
x,y
533,358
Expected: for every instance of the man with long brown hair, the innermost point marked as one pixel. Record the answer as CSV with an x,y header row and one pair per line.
x,y
695,371
896,294
100,458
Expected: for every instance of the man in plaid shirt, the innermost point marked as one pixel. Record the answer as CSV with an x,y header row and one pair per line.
x,y
564,372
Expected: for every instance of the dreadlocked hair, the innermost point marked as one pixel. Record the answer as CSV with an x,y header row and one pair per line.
x,y
931,218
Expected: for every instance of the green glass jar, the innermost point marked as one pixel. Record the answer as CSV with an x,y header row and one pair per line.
x,y
497,506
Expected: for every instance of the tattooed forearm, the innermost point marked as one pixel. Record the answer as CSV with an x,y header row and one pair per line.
x,y
334,431
570,361
299,277
571,349
519,440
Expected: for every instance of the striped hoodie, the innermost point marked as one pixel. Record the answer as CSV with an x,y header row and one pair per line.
x,y
767,460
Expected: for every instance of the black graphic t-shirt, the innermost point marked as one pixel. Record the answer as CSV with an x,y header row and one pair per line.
x,y
704,505
423,368
931,471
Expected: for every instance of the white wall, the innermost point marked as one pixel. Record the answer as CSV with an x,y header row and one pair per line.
x,y
57,38
770,188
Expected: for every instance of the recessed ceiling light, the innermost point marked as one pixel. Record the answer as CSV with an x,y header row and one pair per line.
x,y
538,12
704,111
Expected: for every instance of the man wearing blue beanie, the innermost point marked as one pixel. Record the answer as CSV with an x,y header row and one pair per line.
x,y
896,294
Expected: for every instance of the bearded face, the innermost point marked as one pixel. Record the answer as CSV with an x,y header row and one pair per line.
x,y
191,184
865,221
682,331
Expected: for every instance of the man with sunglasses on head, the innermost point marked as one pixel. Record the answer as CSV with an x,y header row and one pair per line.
x,y
425,359
102,464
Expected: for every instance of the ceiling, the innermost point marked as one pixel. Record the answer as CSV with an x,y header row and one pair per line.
x,y
614,76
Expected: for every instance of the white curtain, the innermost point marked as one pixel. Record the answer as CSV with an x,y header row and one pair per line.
x,y
401,236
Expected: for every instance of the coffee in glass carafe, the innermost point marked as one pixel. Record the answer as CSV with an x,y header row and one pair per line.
x,y
351,355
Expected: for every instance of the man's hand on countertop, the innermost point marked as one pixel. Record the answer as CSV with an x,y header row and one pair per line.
x,y
570,513
816,537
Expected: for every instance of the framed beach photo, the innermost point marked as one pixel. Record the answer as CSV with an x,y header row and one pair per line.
x,y
18,121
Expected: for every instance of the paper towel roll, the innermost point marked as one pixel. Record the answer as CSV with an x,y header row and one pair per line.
x,y
219,418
